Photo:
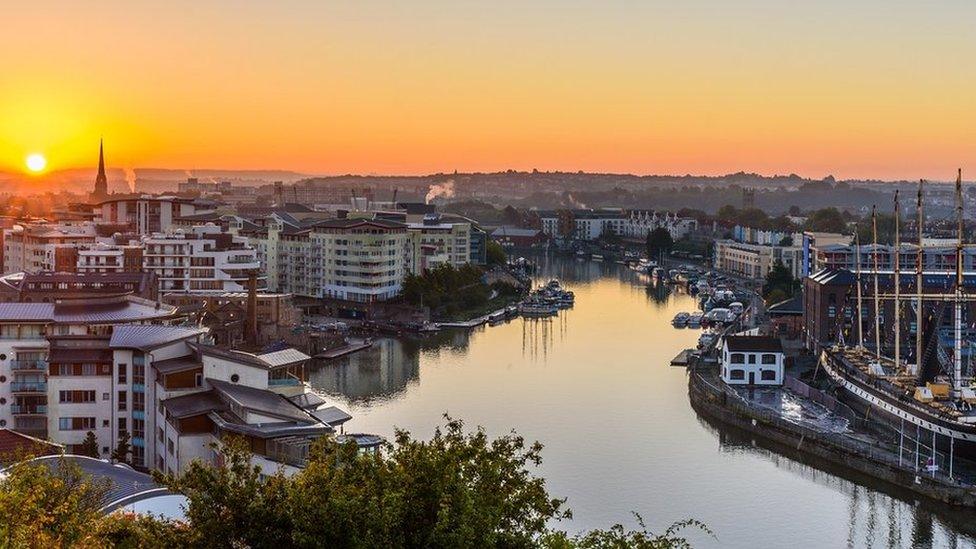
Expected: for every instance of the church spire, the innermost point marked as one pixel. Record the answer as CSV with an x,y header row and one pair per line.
x,y
101,180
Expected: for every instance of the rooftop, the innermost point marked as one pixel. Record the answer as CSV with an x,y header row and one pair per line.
x,y
754,343
148,336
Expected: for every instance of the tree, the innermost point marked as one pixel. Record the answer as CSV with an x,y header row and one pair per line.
x,y
786,241
780,278
495,254
123,449
828,220
659,242
89,446
460,488
43,506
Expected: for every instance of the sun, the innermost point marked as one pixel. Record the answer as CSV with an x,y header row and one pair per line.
x,y
36,162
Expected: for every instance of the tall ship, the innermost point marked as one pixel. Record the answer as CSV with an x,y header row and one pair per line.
x,y
920,385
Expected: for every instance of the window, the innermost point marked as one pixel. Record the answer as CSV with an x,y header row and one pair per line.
x,y
737,374
752,358
159,433
769,358
169,446
122,400
738,358
76,423
122,372
768,375
76,396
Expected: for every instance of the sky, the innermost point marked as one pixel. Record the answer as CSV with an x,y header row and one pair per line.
x,y
865,89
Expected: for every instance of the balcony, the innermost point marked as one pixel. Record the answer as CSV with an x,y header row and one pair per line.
x,y
28,386
22,410
28,365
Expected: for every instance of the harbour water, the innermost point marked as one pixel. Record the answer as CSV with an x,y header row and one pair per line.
x,y
594,386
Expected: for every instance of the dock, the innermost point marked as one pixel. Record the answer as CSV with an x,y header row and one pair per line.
x,y
683,359
473,323
344,350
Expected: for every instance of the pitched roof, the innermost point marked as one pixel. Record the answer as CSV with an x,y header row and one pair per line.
x,y
178,364
791,306
268,360
283,357
259,401
148,336
14,444
193,404
754,343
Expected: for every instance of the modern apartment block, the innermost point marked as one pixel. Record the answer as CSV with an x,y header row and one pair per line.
x,y
144,214
361,260
756,260
440,242
116,366
203,259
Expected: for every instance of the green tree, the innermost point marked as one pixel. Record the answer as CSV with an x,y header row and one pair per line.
x,y
780,278
659,242
43,506
89,446
122,450
495,254
828,220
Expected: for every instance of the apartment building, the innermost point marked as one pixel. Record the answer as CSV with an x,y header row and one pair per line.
x,y
30,247
756,260
49,287
639,223
202,259
100,257
54,364
439,242
146,214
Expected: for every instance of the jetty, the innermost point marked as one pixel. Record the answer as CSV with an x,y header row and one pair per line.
x,y
344,350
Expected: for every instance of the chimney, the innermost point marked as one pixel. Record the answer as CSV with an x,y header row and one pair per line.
x,y
252,308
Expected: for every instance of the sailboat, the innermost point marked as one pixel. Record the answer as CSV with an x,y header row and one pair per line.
x,y
925,392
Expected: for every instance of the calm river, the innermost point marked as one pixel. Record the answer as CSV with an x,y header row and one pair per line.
x,y
594,385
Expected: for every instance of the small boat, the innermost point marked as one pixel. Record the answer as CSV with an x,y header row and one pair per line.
x,y
695,320
597,257
707,339
680,319
497,317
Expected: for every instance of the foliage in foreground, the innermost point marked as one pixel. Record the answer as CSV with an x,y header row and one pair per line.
x,y
459,489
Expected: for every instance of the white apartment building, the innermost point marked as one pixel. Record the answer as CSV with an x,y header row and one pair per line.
x,y
145,214
640,222
110,366
591,224
362,260
31,247
201,259
438,242
756,260
108,258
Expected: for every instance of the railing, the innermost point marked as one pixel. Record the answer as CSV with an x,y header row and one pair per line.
x,y
18,409
28,365
879,452
284,382
28,386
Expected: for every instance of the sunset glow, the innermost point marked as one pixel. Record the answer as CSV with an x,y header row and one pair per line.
x,y
36,162
860,89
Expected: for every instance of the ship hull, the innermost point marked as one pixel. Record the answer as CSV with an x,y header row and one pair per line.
x,y
858,392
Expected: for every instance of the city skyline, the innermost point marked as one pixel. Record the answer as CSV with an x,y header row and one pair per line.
x,y
852,91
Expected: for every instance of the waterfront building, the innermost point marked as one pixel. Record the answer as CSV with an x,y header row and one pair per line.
x,y
445,242
641,222
937,255
752,360
591,224
100,257
756,260
515,237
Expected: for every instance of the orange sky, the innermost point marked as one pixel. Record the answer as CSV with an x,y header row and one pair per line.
x,y
877,89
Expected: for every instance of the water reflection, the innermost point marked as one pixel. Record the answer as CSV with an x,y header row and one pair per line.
x,y
593,384
878,514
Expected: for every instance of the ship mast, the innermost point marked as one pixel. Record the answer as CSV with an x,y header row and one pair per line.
x,y
957,322
877,310
897,274
860,307
919,261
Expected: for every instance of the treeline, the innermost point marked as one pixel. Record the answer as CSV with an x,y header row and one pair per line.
x,y
460,489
